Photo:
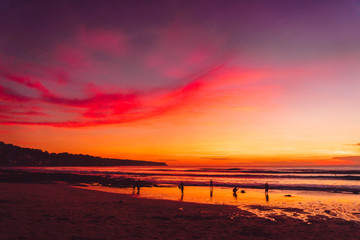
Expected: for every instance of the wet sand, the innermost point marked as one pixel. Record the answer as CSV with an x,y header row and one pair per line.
x,y
59,211
295,204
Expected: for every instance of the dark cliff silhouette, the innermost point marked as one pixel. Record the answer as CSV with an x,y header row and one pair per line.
x,y
11,155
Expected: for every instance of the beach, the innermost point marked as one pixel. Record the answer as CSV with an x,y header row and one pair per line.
x,y
61,211
179,119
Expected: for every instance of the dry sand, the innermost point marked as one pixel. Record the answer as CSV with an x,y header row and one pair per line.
x,y
58,211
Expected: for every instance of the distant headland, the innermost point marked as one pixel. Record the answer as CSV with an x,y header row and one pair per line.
x,y
13,156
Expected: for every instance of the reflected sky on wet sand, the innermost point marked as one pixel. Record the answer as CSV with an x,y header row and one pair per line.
x,y
294,204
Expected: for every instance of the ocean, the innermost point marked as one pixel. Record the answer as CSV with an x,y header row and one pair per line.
x,y
329,179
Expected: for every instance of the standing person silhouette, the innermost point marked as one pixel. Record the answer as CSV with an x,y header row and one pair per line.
x,y
138,185
181,187
266,188
211,188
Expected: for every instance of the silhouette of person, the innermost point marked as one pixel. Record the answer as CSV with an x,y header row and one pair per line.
x,y
138,185
234,192
181,187
266,188
267,192
211,188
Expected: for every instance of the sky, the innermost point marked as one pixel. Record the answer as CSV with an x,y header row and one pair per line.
x,y
189,83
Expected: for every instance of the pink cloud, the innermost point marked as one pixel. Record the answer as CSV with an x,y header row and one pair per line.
x,y
71,56
27,82
7,94
111,42
104,108
100,107
75,87
81,51
197,57
29,113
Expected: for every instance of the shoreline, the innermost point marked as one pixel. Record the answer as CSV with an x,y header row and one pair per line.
x,y
123,180
60,211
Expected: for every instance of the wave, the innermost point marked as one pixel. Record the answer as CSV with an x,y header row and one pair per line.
x,y
334,177
281,171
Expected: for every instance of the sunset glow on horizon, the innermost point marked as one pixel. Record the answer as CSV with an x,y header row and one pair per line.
x,y
189,83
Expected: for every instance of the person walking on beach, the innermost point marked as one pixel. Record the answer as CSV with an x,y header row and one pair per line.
x,y
266,188
234,191
181,187
211,188
138,185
